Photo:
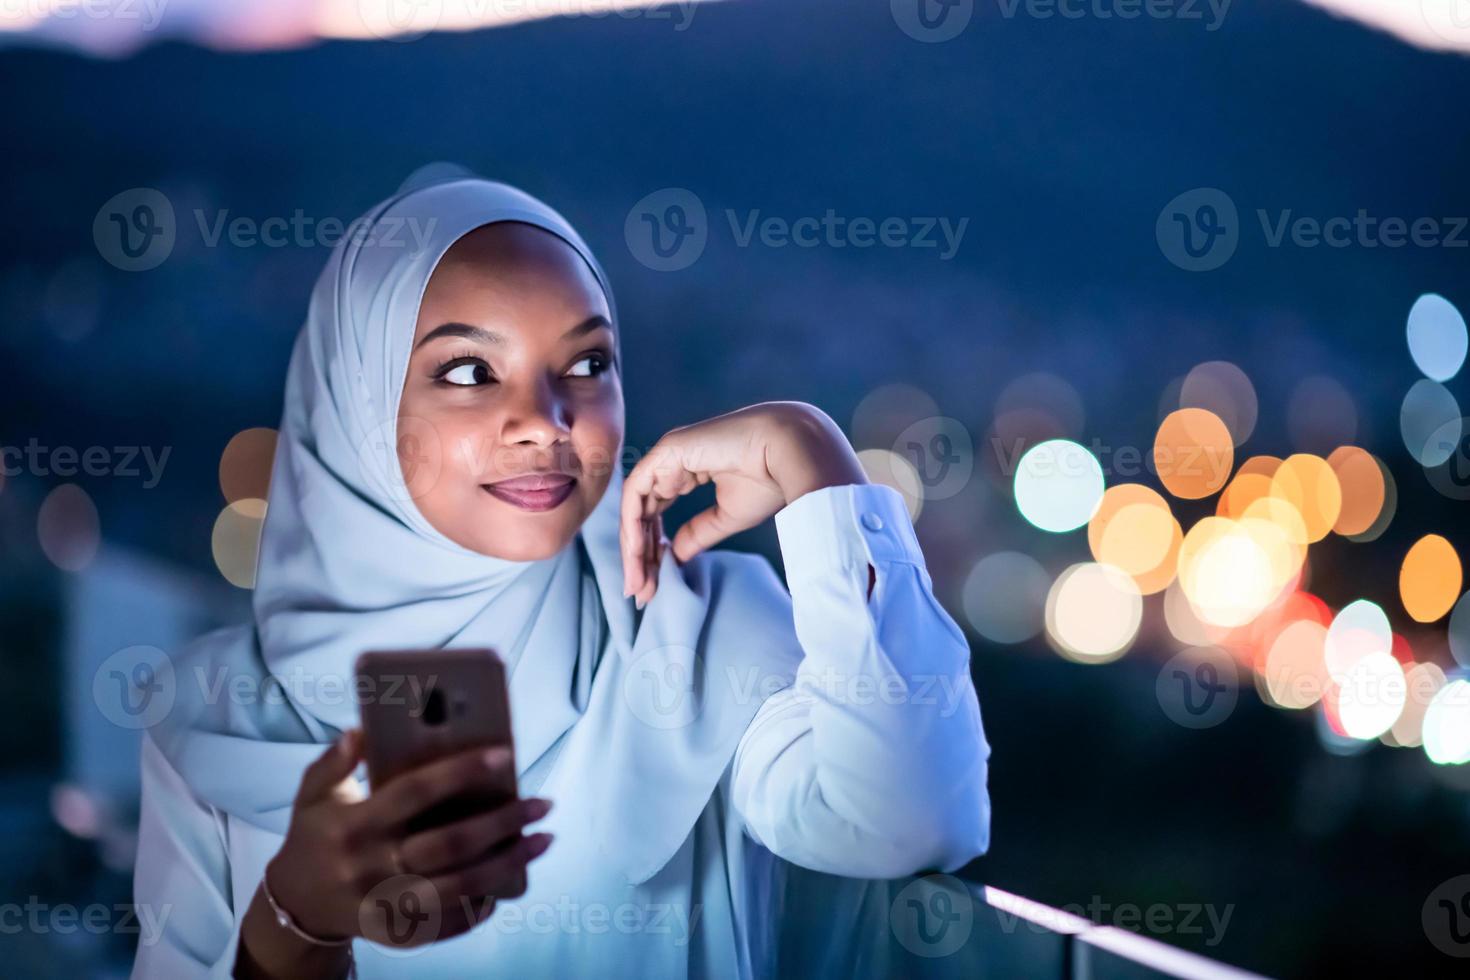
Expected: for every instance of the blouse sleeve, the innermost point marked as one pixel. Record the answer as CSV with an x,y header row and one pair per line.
x,y
181,881
873,763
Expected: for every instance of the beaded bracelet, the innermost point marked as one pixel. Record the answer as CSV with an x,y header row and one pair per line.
x,y
287,921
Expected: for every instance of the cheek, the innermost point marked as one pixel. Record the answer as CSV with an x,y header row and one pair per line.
x,y
597,437
439,452
465,447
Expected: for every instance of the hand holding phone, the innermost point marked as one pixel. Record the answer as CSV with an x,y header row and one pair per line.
x,y
422,705
427,855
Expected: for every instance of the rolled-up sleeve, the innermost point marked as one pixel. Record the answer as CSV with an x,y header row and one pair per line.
x,y
181,883
874,762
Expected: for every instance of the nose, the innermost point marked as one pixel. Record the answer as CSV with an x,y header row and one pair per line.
x,y
535,416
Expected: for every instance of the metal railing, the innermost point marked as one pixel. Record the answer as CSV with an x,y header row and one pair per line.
x,y
937,926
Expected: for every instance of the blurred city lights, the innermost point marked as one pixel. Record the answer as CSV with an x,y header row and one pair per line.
x,y
245,465
236,540
1447,724
1430,422
1004,597
1043,398
1134,530
1360,479
1371,696
1222,389
1310,486
1232,570
1296,666
1422,682
1235,579
887,410
1193,453
1360,629
68,527
1385,514
1059,485
1437,338
1430,578
1093,612
1459,631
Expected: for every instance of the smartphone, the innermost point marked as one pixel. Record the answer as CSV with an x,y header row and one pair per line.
x,y
421,705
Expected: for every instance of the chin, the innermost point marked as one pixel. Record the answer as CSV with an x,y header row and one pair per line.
x,y
522,547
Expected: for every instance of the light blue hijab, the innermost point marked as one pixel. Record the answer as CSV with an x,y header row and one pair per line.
x,y
347,563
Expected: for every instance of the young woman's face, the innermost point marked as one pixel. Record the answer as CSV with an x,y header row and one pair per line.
x,y
512,373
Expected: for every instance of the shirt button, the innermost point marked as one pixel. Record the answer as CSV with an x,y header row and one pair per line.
x,y
872,521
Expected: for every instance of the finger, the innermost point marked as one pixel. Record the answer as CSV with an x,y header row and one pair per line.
x,y
630,536
652,555
668,486
464,841
331,767
500,876
703,531
656,481
478,770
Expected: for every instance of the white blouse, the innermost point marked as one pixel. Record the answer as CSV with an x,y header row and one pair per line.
x,y
871,765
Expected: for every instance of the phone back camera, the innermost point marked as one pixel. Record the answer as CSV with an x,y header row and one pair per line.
x,y
434,713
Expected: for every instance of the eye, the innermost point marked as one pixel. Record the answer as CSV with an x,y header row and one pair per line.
x,y
464,372
599,363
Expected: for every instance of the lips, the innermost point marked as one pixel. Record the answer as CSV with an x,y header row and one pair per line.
x,y
537,492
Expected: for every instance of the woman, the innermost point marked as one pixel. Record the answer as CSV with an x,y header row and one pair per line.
x,y
448,474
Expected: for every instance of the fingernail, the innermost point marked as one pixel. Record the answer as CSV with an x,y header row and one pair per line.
x,y
639,602
498,756
537,808
537,843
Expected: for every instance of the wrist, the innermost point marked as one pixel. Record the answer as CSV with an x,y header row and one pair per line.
x,y
288,921
270,950
813,454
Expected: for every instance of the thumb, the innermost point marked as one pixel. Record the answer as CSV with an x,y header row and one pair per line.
x,y
331,767
702,531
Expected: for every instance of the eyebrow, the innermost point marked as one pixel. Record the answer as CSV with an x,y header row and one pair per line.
x,y
485,336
